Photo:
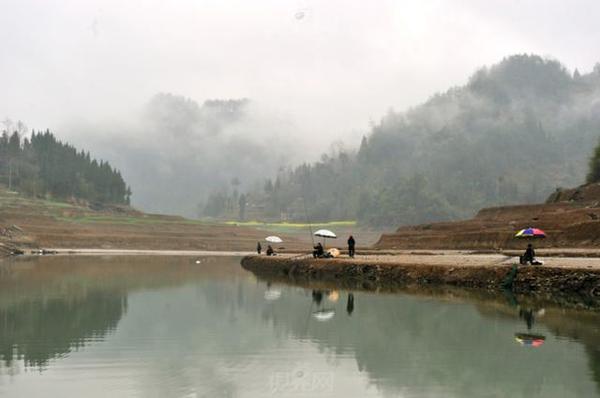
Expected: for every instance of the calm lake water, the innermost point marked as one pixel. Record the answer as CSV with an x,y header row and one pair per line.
x,y
168,327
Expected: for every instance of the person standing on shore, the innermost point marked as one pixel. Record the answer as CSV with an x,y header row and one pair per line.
x,y
351,244
258,248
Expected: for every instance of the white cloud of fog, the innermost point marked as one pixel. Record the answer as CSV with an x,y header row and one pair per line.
x,y
343,63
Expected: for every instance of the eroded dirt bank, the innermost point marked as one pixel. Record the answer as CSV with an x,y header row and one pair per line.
x,y
29,224
570,284
571,219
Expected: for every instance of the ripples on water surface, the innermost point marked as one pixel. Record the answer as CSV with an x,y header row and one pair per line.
x,y
168,327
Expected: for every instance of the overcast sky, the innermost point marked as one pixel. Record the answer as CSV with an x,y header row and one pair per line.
x,y
332,65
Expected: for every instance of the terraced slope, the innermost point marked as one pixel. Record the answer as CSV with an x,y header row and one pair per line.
x,y
571,218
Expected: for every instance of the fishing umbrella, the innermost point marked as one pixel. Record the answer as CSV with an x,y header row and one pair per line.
x,y
530,233
274,239
325,233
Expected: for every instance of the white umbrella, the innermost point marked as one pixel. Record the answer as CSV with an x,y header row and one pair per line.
x,y
274,239
325,233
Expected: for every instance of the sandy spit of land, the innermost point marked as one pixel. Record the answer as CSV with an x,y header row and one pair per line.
x,y
579,259
455,258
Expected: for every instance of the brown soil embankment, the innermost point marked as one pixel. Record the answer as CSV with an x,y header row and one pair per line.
x,y
582,284
49,224
571,218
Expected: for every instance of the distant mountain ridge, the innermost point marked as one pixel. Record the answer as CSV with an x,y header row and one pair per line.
x,y
513,134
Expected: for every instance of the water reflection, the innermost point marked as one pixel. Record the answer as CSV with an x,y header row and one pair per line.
x,y
324,313
528,313
27,326
350,304
530,340
52,306
416,344
141,326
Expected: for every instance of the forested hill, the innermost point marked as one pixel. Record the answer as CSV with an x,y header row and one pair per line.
x,y
42,166
513,134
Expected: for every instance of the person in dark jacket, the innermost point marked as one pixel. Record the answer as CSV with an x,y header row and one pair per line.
x,y
319,251
351,243
258,248
270,251
529,256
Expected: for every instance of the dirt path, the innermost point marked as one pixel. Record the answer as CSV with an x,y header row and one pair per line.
x,y
449,258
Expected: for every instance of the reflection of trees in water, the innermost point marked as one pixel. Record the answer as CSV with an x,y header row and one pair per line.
x,y
398,341
39,330
52,305
594,361
403,342
577,325
581,326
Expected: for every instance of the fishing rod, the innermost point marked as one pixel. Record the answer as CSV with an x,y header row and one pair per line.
x,y
306,213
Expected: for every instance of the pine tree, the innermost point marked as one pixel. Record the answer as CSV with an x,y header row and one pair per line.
x,y
42,165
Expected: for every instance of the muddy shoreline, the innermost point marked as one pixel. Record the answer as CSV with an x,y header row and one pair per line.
x,y
575,287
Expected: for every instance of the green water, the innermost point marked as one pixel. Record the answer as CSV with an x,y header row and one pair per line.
x,y
168,327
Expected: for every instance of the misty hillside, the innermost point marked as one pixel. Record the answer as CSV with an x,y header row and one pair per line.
x,y
513,134
176,151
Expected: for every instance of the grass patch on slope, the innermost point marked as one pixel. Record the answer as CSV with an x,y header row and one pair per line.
x,y
289,227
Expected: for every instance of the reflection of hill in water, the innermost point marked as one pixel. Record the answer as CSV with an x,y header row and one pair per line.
x,y
52,305
69,276
408,343
218,318
583,327
39,330
574,325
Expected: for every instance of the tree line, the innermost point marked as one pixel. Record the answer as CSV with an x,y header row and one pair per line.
x,y
42,166
512,134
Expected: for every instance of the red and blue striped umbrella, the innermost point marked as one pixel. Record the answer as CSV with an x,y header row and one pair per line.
x,y
530,233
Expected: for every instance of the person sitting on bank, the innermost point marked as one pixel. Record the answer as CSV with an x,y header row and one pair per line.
x,y
529,256
319,251
270,251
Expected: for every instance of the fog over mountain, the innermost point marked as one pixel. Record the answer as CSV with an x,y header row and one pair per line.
x,y
313,73
175,151
514,133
